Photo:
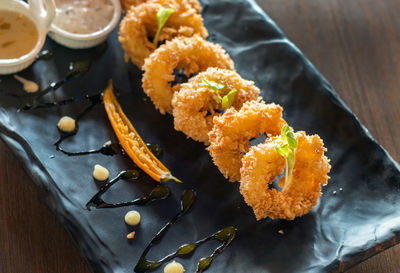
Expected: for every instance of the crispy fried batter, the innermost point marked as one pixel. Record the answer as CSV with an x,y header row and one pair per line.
x,y
192,55
195,105
126,4
232,131
263,163
140,24
196,5
198,114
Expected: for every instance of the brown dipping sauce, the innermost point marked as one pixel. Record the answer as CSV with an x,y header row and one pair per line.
x,y
83,16
18,34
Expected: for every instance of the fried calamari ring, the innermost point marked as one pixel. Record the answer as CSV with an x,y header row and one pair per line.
x,y
196,5
140,23
263,163
126,4
232,131
195,105
192,55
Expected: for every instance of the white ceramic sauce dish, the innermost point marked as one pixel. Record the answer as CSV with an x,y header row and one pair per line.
x,y
41,13
81,41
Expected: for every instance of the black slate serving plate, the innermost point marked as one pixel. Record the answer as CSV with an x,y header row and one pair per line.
x,y
360,220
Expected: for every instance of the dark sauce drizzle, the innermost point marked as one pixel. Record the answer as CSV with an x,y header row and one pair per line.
x,y
225,236
75,70
160,192
45,55
110,150
106,149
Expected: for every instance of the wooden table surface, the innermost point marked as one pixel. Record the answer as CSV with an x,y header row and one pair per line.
x,y
356,46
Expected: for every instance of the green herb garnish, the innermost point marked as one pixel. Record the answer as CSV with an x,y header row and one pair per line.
x,y
216,87
162,17
288,151
227,100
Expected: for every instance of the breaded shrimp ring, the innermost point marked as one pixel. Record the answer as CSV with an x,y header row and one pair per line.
x,y
126,4
263,163
195,105
232,131
140,23
192,55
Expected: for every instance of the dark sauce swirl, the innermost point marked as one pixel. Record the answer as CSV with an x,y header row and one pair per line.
x,y
106,149
225,236
75,70
160,192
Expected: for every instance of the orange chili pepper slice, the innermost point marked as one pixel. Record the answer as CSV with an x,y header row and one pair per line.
x,y
131,141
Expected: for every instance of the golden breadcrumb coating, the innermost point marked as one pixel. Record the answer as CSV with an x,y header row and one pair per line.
x,y
127,4
195,105
232,131
196,5
192,55
263,163
198,114
140,24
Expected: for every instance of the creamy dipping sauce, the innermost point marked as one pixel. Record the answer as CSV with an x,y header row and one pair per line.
x,y
18,34
83,16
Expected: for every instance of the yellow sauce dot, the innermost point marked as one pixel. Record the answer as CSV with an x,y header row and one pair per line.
x,y
66,124
132,218
174,267
100,173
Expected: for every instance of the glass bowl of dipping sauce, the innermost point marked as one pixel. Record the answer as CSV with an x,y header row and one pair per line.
x,y
84,23
23,29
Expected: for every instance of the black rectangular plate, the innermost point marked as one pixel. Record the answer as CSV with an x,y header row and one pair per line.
x,y
342,229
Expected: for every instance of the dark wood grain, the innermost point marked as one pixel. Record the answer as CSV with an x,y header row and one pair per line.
x,y
356,46
31,238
